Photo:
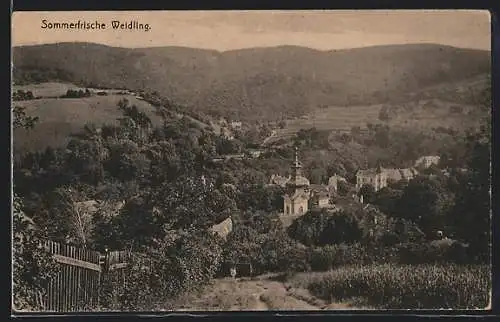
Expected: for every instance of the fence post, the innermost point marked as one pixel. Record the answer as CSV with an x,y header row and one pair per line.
x,y
103,260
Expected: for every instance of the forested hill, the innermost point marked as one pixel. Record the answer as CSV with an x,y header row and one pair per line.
x,y
257,83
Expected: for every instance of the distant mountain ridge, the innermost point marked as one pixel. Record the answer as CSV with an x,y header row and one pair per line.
x,y
257,83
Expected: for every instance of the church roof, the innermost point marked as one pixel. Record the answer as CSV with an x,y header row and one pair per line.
x,y
318,188
399,174
299,194
298,181
392,174
366,173
335,178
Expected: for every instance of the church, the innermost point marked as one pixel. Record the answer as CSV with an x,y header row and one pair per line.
x,y
300,195
297,192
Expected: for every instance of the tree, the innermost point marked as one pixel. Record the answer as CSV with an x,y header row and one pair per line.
x,y
32,264
386,199
472,214
22,120
323,228
342,228
383,115
426,202
62,218
368,192
260,197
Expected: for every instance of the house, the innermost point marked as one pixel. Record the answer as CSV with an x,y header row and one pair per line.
x,y
320,196
255,153
374,177
426,161
223,228
395,175
236,125
333,183
380,177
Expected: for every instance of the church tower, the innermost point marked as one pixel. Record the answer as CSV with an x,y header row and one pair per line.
x,y
297,194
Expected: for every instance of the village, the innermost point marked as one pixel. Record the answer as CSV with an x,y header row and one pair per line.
x,y
253,161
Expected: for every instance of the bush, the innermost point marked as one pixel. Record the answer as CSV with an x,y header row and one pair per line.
x,y
70,93
174,266
21,95
322,258
334,256
267,252
433,252
408,286
33,265
324,228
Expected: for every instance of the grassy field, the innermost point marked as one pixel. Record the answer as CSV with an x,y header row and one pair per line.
x,y
413,115
402,286
58,118
53,89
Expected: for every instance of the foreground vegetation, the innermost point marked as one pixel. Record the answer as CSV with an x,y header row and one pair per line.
x,y
171,192
403,286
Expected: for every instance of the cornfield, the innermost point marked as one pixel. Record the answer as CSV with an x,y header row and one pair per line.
x,y
390,286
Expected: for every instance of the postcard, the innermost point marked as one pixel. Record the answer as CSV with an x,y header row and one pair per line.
x,y
314,160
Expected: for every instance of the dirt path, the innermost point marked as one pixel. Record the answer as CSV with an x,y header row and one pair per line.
x,y
254,295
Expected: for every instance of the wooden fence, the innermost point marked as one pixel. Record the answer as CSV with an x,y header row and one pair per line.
x,y
76,286
113,267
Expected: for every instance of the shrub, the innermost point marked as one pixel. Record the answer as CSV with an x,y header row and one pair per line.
x,y
164,271
73,93
334,256
323,228
322,258
433,252
21,95
33,265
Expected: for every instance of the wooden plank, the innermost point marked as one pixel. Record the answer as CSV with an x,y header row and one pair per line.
x,y
53,285
67,281
76,262
64,282
74,286
79,280
71,284
59,283
57,286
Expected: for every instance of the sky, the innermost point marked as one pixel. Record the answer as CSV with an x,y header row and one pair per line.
x,y
228,30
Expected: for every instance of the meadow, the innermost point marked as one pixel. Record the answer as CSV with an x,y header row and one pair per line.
x,y
56,89
60,117
388,286
422,114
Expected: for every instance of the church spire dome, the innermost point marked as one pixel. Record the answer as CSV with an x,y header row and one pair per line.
x,y
296,166
296,178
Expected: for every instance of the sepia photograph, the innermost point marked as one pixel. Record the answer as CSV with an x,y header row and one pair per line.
x,y
293,160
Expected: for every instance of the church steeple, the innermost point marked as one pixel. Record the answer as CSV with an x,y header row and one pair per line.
x,y
296,166
297,194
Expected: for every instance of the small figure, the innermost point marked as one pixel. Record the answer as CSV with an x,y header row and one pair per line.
x,y
233,272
